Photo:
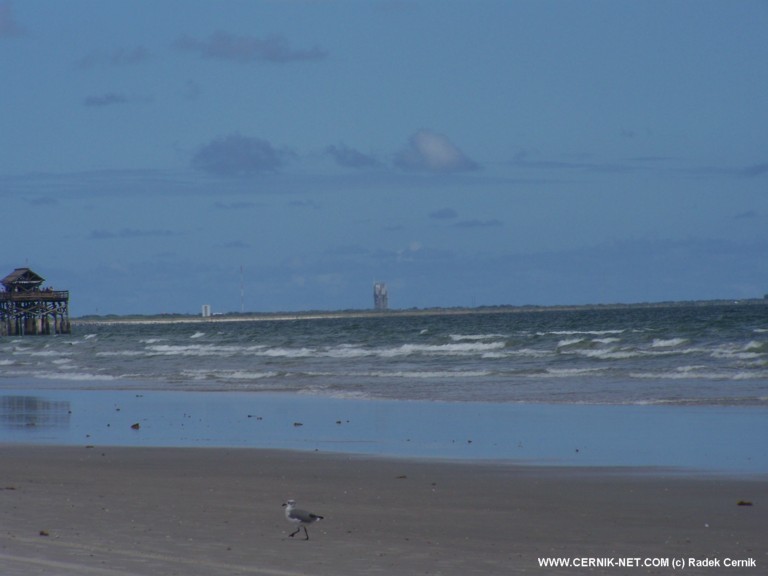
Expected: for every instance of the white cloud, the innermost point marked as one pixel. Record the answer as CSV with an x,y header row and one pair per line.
x,y
432,152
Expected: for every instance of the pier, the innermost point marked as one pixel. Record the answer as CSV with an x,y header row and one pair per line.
x,y
28,308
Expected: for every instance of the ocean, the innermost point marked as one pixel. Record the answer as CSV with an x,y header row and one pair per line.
x,y
703,355
672,386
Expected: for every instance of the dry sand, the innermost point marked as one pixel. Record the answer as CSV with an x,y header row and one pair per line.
x,y
70,511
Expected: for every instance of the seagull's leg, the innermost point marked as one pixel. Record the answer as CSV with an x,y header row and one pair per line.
x,y
306,533
292,534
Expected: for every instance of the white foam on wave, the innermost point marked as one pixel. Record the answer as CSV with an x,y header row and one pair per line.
x,y
331,393
246,375
493,355
528,353
571,372
79,376
228,374
341,351
441,349
737,353
353,351
668,342
570,342
626,353
425,374
48,353
288,352
606,340
692,368
346,351
576,332
695,371
197,335
607,354
705,374
398,374
755,345
199,350
474,337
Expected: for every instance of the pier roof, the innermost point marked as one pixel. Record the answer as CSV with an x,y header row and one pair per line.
x,y
22,279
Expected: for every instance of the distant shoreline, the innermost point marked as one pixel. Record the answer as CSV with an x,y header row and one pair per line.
x,y
394,313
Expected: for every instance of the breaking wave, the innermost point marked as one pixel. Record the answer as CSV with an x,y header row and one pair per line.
x,y
656,356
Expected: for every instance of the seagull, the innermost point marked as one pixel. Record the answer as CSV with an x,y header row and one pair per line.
x,y
300,517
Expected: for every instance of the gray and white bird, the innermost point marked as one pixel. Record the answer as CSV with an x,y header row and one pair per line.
x,y
302,518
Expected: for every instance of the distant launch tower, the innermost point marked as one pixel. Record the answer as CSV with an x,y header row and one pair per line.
x,y
380,297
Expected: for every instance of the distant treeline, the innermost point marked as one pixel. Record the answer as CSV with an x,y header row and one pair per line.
x,y
352,313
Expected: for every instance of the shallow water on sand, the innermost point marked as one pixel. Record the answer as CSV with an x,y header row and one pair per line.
x,y
710,438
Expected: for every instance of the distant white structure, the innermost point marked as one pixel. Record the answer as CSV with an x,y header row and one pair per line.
x,y
380,297
206,310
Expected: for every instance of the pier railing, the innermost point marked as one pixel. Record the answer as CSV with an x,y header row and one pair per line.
x,y
35,296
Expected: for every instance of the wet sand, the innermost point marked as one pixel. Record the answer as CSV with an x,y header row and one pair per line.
x,y
70,510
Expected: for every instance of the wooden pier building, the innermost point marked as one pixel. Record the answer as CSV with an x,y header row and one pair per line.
x,y
28,308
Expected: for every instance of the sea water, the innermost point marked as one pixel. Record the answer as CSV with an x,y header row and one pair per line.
x,y
707,355
543,385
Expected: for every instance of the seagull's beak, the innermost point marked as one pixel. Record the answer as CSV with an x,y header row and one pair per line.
x,y
284,504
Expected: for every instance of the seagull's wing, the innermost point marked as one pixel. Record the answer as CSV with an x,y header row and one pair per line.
x,y
304,516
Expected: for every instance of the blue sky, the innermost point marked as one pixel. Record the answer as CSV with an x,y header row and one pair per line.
x,y
466,153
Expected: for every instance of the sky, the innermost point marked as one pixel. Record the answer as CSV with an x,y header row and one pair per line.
x,y
284,155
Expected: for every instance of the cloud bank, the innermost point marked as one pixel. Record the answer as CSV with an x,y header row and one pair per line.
x,y
428,151
117,57
237,155
114,98
8,26
444,214
108,99
350,158
493,222
755,170
130,233
225,46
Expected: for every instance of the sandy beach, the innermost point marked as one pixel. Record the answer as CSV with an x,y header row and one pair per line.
x,y
201,511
